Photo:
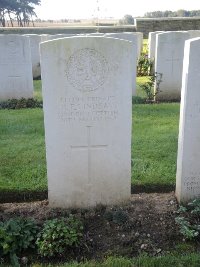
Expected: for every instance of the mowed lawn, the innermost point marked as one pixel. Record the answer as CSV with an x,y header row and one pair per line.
x,y
154,146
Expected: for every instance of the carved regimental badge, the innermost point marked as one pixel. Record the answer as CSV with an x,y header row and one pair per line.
x,y
87,70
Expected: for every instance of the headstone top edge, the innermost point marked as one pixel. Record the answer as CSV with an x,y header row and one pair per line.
x,y
74,38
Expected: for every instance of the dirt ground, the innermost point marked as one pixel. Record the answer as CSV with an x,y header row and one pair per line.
x,y
144,224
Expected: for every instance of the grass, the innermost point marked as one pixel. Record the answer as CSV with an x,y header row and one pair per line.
x,y
154,144
22,157
139,91
37,89
154,147
145,46
192,260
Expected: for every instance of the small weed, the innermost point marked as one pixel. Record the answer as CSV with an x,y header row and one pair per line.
x,y
58,235
186,229
17,235
144,65
148,87
118,216
189,219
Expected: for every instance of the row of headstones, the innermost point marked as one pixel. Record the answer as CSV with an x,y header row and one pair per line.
x,y
87,110
87,113
166,50
21,53
35,40
177,57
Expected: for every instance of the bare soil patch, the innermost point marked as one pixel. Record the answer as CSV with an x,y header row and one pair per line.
x,y
149,225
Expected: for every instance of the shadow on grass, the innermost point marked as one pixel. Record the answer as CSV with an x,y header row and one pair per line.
x,y
28,196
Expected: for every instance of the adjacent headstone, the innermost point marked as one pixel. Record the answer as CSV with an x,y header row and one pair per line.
x,y
139,36
44,37
188,167
140,41
87,112
95,34
152,44
58,36
35,54
169,63
134,40
152,49
15,67
194,33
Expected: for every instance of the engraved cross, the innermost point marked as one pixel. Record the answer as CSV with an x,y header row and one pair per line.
x,y
172,60
89,147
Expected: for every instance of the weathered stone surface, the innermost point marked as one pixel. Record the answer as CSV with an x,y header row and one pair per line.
x,y
57,36
169,63
87,111
188,167
194,33
152,44
15,67
139,36
35,41
134,40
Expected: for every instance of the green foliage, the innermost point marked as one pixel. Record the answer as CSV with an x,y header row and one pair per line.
x,y
127,20
58,235
37,90
169,13
20,103
186,229
22,10
154,162
148,87
22,133
195,206
108,215
154,146
188,260
144,65
17,235
189,219
118,216
138,100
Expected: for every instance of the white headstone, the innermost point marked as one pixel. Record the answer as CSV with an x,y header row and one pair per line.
x,y
140,41
58,36
139,36
87,112
95,34
15,67
134,40
188,167
152,49
44,37
169,63
194,33
152,44
35,54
